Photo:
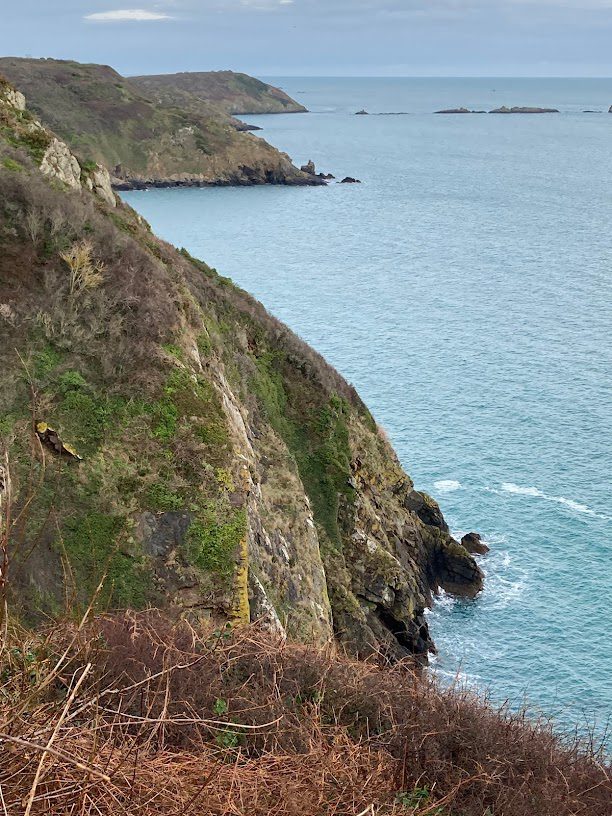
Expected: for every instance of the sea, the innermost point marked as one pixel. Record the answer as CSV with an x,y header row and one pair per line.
x,y
465,288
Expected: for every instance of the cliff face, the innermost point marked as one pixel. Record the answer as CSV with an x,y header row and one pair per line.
x,y
167,435
183,140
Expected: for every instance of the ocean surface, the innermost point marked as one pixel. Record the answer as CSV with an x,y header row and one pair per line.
x,y
465,289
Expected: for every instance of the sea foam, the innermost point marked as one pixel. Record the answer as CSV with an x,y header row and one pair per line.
x,y
447,485
509,487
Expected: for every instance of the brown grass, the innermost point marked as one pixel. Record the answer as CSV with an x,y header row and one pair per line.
x,y
133,714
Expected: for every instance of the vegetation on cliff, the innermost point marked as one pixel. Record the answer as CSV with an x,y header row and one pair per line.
x,y
171,139
232,92
131,715
165,431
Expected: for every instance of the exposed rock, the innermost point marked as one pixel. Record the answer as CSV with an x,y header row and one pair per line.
x,y
362,113
459,110
473,543
59,162
309,168
15,98
51,438
454,568
262,611
610,109
99,182
349,180
504,109
426,508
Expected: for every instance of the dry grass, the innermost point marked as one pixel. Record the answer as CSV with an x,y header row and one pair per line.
x,y
132,714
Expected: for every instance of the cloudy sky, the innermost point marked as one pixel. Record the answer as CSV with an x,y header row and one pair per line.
x,y
320,37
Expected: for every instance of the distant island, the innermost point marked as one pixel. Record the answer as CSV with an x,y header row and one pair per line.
x,y
503,109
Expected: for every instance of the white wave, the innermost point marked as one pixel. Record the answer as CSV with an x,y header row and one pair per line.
x,y
523,491
509,487
447,485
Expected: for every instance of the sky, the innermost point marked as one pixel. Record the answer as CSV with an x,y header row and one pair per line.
x,y
319,37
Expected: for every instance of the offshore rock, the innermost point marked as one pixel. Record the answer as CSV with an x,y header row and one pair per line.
x,y
349,180
504,109
473,543
458,110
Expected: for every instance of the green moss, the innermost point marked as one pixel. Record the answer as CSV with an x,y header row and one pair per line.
x,y
165,420
92,544
197,405
36,142
7,423
10,164
204,345
316,434
46,360
212,542
161,497
175,351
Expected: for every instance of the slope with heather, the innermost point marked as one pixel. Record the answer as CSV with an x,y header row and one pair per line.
x,y
105,118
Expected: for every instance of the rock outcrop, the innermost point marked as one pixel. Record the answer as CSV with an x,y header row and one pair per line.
x,y
219,467
59,162
459,111
504,109
473,543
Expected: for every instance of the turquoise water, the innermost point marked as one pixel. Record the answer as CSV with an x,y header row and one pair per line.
x,y
465,288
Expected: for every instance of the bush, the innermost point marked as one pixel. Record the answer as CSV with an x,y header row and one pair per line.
x,y
170,719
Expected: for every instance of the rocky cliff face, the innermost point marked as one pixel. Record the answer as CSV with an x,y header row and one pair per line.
x,y
172,139
171,442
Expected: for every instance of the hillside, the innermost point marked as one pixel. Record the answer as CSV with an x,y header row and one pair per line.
x,y
104,118
235,93
166,433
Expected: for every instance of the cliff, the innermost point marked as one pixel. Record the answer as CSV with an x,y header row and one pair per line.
x,y
105,119
168,437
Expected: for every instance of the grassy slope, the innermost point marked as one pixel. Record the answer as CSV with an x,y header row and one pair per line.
x,y
104,118
232,92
